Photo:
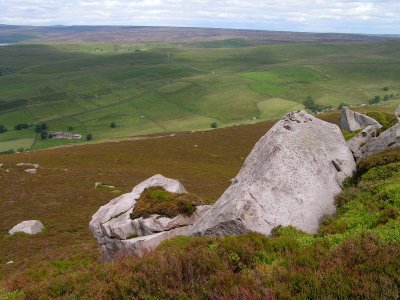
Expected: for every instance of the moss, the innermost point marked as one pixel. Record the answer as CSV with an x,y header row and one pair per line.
x,y
350,134
156,200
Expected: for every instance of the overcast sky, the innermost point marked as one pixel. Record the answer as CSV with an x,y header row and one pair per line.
x,y
363,16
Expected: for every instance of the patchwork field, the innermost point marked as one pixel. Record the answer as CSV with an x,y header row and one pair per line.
x,y
154,87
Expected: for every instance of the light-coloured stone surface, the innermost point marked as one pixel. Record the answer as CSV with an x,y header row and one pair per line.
x,y
390,138
352,121
112,248
117,233
29,227
290,178
31,171
397,113
36,166
124,204
362,137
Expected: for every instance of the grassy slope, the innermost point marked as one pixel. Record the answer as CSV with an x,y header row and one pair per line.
x,y
355,254
169,87
63,196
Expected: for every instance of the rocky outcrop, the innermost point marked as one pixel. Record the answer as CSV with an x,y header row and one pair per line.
x,y
397,113
352,121
362,138
29,227
290,178
390,138
117,233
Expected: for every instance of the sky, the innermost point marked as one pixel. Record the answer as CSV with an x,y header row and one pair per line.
x,y
345,16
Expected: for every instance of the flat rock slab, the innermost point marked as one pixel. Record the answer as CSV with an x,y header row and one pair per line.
x,y
29,227
290,178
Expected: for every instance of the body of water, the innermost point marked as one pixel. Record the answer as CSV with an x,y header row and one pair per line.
x,y
4,44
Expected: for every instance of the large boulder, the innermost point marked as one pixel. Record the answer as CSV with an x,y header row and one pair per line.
x,y
397,113
390,138
290,178
29,227
116,232
352,121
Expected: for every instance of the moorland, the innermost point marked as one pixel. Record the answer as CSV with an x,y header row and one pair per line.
x,y
64,79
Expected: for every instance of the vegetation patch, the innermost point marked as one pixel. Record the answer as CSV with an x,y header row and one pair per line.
x,y
386,120
156,200
350,134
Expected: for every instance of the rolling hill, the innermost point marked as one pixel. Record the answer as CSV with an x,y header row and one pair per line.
x,y
82,79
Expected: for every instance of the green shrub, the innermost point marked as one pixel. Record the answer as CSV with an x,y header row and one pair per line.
x,y
386,120
383,158
2,128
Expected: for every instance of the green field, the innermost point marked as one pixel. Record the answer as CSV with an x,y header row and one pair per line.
x,y
162,87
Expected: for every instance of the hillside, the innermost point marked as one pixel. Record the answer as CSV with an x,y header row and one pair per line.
x,y
354,254
169,85
125,34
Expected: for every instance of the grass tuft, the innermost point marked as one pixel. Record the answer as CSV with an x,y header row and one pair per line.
x,y
156,200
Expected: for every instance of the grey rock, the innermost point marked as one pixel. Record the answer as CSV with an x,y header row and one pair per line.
x,y
290,178
363,137
390,138
124,204
36,166
117,233
29,227
352,121
397,113
31,171
112,248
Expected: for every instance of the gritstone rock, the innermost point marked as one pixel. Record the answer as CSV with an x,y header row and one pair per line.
x,y
290,178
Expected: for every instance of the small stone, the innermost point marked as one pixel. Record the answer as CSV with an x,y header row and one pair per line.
x,y
31,171
29,227
10,262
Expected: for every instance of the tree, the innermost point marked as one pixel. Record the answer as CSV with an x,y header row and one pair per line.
x,y
386,98
386,88
375,100
43,135
70,128
214,125
39,127
21,126
2,129
113,125
343,105
89,137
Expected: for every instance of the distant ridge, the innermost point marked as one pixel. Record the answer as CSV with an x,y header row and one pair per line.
x,y
81,33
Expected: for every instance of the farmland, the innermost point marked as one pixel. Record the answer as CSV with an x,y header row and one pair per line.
x,y
166,86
